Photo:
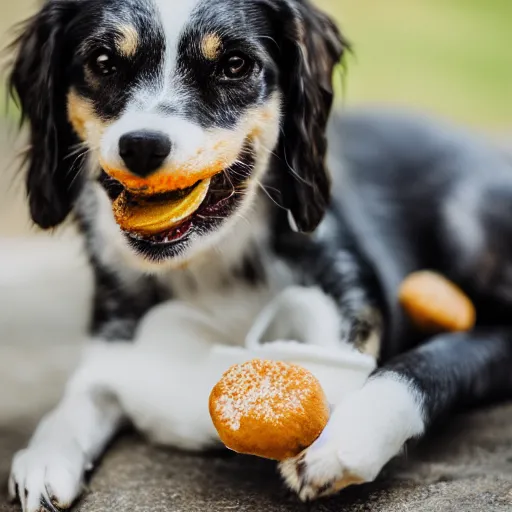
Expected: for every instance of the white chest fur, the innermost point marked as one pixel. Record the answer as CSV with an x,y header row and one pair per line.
x,y
216,288
214,282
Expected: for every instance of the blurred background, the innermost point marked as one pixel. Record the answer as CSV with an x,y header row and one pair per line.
x,y
448,57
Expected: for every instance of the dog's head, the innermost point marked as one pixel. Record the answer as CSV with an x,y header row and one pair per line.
x,y
177,109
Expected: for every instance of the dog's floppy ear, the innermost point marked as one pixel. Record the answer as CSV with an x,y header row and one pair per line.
x,y
311,47
38,82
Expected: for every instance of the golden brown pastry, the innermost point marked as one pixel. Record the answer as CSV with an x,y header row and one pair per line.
x,y
436,304
148,216
267,408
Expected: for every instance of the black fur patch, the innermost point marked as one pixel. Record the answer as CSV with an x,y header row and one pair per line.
x,y
452,371
96,28
118,305
118,309
251,269
215,101
334,263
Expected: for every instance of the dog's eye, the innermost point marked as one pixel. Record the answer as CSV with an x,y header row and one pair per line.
x,y
236,66
103,63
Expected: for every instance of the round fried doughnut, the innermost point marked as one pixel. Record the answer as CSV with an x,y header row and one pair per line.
x,y
268,408
436,304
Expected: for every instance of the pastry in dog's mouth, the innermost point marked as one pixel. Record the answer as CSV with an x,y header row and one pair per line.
x,y
149,215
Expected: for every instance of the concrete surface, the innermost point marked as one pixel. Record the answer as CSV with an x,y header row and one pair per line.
x,y
44,291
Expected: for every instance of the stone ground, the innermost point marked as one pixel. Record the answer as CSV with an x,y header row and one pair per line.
x,y
466,468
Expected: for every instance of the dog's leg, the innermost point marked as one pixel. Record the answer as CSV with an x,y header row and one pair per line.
x,y
331,263
49,473
399,402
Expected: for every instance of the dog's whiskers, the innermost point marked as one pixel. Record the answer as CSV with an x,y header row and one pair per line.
x,y
294,173
77,166
269,195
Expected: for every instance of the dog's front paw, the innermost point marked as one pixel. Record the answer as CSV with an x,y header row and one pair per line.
x,y
364,433
322,471
47,477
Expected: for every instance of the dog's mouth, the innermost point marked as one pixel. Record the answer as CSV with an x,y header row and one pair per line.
x,y
154,222
159,215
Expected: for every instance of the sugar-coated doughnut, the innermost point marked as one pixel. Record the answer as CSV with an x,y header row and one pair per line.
x,y
436,304
267,408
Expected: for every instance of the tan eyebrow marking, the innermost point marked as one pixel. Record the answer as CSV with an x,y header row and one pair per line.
x,y
211,46
128,41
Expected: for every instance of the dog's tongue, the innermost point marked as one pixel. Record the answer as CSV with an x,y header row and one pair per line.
x,y
149,216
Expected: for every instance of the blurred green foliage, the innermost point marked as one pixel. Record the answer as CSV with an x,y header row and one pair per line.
x,y
452,57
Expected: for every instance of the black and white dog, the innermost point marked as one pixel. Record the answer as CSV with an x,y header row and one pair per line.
x,y
233,98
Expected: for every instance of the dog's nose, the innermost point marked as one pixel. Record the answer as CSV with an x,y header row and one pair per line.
x,y
144,152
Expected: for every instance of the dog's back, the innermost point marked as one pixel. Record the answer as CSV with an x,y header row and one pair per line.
x,y
421,193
